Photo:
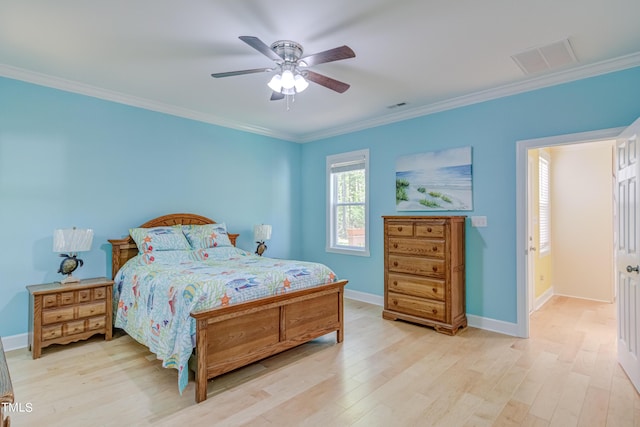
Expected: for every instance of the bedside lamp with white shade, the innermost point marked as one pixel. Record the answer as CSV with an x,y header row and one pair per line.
x,y
70,241
261,233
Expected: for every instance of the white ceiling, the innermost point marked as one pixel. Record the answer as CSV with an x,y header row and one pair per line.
x,y
431,54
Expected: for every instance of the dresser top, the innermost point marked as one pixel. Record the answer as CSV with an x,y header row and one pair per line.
x,y
414,217
47,288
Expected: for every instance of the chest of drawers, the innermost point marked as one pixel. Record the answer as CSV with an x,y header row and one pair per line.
x,y
60,314
424,271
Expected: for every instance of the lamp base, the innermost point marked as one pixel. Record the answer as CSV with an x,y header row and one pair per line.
x,y
261,248
69,279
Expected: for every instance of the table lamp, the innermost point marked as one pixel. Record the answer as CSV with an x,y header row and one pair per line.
x,y
70,241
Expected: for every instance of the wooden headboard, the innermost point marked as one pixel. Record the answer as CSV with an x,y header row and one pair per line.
x,y
123,250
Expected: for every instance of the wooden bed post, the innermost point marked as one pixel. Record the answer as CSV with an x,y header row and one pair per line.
x,y
201,355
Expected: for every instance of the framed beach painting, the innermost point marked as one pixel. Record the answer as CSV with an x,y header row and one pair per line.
x,y
435,181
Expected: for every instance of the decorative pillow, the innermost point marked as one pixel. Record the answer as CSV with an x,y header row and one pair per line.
x,y
169,238
207,236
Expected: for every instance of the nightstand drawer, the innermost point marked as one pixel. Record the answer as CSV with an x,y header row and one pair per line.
x,y
57,315
84,295
49,301
73,328
88,310
51,332
100,293
97,323
66,298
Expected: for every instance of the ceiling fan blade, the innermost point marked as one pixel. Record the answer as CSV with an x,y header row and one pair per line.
x,y
327,82
335,54
261,47
276,96
241,72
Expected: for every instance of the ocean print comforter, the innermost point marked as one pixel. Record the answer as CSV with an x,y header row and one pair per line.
x,y
155,293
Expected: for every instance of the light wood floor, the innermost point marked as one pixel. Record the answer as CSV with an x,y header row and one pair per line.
x,y
385,373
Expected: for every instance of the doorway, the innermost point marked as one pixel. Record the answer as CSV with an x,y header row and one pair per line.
x,y
523,223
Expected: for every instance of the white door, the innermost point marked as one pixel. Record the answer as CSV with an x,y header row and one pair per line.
x,y
628,252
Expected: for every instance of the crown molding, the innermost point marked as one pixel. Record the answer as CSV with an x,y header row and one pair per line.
x,y
121,98
564,76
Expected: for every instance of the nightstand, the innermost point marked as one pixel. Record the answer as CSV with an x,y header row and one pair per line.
x,y
61,314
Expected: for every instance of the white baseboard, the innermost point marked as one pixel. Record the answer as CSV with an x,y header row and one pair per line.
x,y
364,297
15,342
486,323
493,325
544,298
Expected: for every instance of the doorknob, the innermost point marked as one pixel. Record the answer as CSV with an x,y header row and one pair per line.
x,y
630,269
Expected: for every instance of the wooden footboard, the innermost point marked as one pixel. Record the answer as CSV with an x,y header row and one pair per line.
x,y
230,337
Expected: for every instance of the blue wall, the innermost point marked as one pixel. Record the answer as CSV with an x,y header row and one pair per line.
x,y
492,129
71,160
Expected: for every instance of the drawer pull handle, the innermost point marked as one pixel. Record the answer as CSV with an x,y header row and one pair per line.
x,y
395,263
395,283
429,229
399,228
395,302
435,269
395,245
435,290
434,311
435,249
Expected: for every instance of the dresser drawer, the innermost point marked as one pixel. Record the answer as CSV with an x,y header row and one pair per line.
x,y
418,247
414,265
88,310
429,230
417,286
73,328
57,315
51,332
97,323
400,229
416,306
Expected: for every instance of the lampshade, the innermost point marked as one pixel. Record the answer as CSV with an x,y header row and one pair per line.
x,y
261,232
72,240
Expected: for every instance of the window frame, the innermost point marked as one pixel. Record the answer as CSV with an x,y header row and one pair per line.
x,y
331,245
544,203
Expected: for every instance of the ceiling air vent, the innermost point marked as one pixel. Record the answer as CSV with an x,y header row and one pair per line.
x,y
545,58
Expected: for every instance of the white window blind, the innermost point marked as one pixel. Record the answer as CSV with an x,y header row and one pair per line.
x,y
347,203
544,220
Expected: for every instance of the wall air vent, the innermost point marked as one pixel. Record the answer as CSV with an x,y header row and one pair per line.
x,y
545,58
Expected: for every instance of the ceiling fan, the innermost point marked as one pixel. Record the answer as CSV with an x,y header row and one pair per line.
x,y
293,68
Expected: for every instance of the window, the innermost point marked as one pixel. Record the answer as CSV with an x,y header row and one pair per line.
x,y
348,203
544,205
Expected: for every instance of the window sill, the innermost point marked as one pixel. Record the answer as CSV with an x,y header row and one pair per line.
x,y
348,251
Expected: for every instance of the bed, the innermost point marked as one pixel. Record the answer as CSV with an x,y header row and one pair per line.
x,y
227,326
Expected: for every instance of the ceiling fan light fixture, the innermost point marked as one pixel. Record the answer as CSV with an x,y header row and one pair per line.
x,y
290,91
275,83
300,83
288,81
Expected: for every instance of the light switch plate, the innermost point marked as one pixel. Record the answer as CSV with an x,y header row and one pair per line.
x,y
478,221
